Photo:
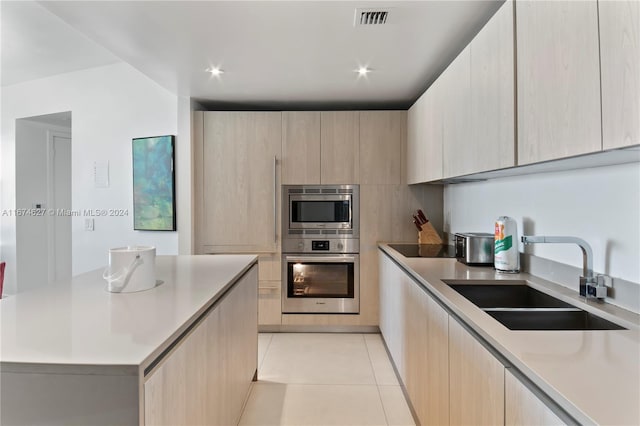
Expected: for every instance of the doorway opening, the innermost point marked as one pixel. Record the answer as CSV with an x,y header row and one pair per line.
x,y
43,200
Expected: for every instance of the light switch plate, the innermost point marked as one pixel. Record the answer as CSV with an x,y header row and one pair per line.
x,y
88,224
101,173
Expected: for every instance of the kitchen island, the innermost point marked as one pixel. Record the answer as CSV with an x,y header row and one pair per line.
x,y
182,352
461,366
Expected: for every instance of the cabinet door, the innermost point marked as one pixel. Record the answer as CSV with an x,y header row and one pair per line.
x,y
426,355
269,303
558,79
435,132
456,83
240,180
239,345
206,378
522,407
339,146
301,148
174,394
269,285
197,145
417,130
381,146
492,142
476,380
391,308
620,62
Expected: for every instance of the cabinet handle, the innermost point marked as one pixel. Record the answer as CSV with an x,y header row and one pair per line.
x,y
268,288
275,200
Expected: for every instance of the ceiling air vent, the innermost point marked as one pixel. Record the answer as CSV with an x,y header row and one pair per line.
x,y
371,17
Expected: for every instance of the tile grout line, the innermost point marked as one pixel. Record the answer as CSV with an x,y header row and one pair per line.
x,y
375,378
261,361
322,384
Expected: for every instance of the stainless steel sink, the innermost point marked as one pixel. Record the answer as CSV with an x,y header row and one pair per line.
x,y
515,295
576,319
521,307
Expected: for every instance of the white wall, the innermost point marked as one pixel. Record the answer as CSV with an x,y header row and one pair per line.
x,y
110,105
600,205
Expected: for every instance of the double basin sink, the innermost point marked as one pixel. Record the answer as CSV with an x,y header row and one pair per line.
x,y
520,307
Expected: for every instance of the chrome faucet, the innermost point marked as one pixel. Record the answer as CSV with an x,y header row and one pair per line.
x,y
590,286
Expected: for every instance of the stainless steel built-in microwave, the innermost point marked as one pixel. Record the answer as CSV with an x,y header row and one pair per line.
x,y
309,211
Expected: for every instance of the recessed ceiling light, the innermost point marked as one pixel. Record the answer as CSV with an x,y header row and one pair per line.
x,y
363,71
215,71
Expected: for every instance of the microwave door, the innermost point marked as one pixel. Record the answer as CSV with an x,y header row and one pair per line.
x,y
319,213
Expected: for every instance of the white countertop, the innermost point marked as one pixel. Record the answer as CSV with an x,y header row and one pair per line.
x,y
593,375
79,323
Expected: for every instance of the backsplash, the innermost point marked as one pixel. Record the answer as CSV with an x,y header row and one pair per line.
x,y
600,205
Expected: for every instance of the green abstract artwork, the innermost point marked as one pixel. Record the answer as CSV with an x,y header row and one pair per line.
x,y
154,207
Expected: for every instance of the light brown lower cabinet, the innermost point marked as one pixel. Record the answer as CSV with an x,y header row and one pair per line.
x,y
426,355
269,303
523,407
415,330
206,378
269,293
476,387
449,376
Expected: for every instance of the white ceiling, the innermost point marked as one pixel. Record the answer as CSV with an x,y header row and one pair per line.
x,y
34,43
275,54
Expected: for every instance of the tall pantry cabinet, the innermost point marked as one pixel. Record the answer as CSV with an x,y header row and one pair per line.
x,y
241,181
237,165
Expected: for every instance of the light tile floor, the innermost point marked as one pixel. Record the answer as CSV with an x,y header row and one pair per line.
x,y
324,379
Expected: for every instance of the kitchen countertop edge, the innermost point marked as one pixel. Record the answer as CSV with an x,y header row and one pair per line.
x,y
468,314
136,364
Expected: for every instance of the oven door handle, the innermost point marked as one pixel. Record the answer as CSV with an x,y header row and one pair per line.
x,y
320,259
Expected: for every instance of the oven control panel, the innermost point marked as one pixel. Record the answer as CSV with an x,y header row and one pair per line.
x,y
320,245
330,245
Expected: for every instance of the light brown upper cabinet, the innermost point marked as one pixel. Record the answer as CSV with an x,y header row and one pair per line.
x,y
241,180
456,83
424,137
320,147
301,147
620,68
417,128
381,147
339,147
435,132
491,144
558,79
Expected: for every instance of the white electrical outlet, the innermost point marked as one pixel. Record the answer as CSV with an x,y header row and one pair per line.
x,y
88,224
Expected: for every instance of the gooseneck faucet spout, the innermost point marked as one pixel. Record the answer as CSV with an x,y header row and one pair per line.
x,y
587,253
590,285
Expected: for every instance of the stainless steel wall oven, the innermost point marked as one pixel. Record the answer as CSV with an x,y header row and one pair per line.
x,y
320,246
